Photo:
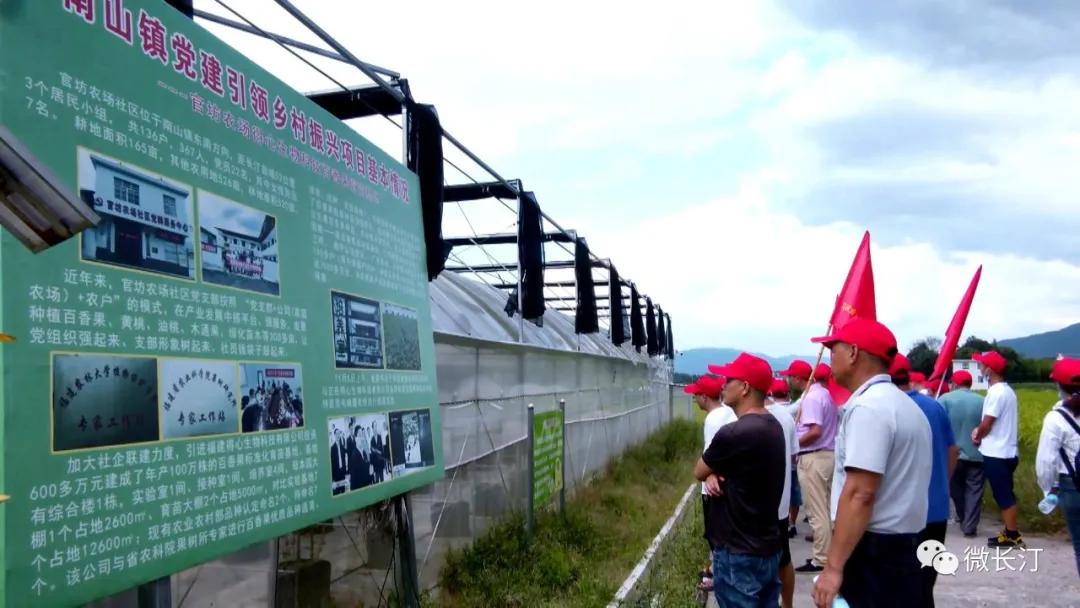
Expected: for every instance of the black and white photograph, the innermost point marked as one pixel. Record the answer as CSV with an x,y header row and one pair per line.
x,y
411,443
146,220
358,332
271,396
359,452
103,400
198,397
239,245
402,336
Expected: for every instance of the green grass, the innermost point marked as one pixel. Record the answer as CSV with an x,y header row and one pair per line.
x,y
1034,404
579,560
672,579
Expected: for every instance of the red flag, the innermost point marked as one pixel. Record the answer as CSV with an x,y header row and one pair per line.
x,y
856,299
952,336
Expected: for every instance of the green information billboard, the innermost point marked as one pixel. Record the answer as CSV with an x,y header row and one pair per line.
x,y
547,456
240,348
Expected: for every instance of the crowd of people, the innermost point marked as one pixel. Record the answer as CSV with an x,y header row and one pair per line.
x,y
270,407
875,475
359,456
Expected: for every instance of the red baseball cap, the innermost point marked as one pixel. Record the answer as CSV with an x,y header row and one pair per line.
x,y
962,378
779,388
705,385
869,336
822,372
798,369
918,377
991,359
752,370
1066,371
900,365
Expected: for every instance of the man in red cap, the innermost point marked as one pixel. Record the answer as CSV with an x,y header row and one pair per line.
x,y
1057,462
706,392
748,455
817,421
966,485
883,465
918,382
996,437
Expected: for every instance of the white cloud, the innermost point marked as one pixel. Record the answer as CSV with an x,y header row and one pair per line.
x,y
633,85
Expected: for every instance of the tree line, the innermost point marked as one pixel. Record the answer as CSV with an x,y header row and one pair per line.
x,y
1019,369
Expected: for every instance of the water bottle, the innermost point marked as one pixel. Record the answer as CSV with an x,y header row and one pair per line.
x,y
838,601
1048,504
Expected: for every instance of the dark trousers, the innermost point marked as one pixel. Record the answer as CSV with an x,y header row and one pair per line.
x,y
966,488
932,531
883,572
1069,502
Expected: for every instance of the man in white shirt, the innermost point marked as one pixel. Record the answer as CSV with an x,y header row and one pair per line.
x,y
706,392
883,464
996,438
777,404
1057,460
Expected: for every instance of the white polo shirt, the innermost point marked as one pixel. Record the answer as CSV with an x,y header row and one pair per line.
x,y
1001,403
1056,434
883,431
714,421
791,446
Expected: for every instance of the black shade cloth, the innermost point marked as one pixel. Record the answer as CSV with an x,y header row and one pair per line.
x,y
426,160
618,321
661,334
531,256
585,320
652,346
671,339
637,325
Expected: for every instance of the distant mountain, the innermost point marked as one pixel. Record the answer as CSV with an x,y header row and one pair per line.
x,y
696,360
1047,345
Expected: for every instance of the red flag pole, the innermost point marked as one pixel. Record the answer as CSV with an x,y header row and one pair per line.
x,y
952,334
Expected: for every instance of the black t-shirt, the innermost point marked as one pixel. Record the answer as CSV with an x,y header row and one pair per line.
x,y
749,454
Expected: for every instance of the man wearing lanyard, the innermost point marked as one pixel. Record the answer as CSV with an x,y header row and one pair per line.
x,y
817,421
883,465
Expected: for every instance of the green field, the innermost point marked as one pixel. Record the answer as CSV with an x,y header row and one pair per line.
x,y
402,341
1034,404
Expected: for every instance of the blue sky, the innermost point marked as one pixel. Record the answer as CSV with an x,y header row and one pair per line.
x,y
728,158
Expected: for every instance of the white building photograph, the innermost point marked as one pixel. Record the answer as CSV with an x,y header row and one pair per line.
x,y
146,219
239,245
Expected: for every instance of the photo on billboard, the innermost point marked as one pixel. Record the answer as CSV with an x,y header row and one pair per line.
x,y
359,452
271,396
103,400
238,245
198,397
402,336
411,444
358,333
146,220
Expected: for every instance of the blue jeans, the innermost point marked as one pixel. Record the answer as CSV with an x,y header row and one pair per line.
x,y
1069,501
745,581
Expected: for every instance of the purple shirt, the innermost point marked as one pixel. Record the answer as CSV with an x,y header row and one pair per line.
x,y
816,407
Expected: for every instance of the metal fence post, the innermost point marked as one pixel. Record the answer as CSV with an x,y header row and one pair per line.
x,y
530,522
562,460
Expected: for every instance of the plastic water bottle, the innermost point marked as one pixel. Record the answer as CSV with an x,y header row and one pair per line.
x,y
1048,504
